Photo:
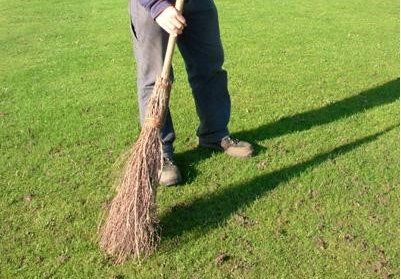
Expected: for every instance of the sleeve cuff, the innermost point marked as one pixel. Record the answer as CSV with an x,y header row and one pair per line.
x,y
158,8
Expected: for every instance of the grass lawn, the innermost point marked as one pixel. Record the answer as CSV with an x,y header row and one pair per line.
x,y
314,86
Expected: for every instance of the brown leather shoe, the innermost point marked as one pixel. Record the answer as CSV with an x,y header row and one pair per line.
x,y
170,173
232,147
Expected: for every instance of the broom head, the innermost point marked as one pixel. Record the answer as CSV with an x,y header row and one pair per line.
x,y
131,224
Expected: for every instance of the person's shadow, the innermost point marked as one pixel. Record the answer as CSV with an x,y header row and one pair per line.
x,y
374,97
206,213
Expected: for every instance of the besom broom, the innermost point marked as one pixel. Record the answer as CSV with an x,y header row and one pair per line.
x,y
131,224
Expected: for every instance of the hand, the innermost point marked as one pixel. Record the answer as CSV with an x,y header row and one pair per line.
x,y
172,21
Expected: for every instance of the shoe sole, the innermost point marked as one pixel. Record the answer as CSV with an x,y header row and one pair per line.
x,y
216,148
212,147
171,182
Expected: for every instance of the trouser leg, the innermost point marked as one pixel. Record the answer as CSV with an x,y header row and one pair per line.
x,y
150,43
202,50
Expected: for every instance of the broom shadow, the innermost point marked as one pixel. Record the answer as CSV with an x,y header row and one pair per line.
x,y
374,97
206,213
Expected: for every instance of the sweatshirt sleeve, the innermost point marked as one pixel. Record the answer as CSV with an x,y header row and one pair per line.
x,y
155,7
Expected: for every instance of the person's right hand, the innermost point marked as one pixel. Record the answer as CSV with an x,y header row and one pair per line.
x,y
172,21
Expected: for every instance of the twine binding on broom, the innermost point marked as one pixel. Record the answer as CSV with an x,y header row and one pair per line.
x,y
153,122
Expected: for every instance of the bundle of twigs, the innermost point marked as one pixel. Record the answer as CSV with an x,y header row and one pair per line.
x,y
131,225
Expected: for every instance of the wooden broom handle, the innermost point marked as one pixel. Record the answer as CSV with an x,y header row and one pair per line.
x,y
179,5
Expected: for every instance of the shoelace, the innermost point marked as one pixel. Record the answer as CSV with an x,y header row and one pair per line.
x,y
232,141
168,161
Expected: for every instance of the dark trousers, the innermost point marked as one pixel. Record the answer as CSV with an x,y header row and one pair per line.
x,y
201,49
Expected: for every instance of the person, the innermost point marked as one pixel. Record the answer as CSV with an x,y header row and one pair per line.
x,y
199,43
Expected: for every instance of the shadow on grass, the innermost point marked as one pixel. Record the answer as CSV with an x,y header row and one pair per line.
x,y
209,212
374,97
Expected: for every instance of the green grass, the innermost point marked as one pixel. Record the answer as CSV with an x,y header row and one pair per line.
x,y
314,86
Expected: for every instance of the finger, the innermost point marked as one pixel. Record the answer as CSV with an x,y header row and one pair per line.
x,y
178,31
181,19
177,24
171,29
